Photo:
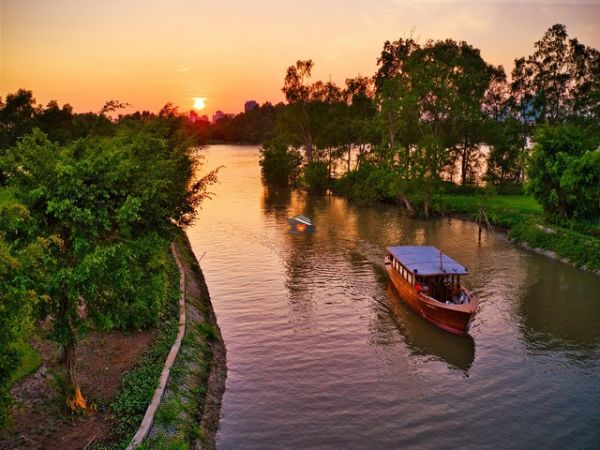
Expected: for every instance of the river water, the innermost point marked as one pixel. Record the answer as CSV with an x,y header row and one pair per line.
x,y
321,353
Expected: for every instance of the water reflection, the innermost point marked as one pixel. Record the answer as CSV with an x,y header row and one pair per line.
x,y
423,339
559,312
321,354
275,200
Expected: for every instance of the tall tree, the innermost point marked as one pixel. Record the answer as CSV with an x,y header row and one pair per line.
x,y
106,205
297,117
564,171
560,79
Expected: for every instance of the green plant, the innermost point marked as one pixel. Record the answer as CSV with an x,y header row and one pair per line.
x,y
208,331
280,164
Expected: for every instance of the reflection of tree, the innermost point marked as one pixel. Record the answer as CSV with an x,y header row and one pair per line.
x,y
560,311
425,339
276,200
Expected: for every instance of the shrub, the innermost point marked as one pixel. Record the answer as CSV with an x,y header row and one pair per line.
x,y
280,165
315,177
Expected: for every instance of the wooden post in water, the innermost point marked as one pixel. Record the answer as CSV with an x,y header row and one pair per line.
x,y
479,224
481,216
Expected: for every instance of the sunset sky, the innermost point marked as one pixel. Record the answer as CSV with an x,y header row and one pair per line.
x,y
149,52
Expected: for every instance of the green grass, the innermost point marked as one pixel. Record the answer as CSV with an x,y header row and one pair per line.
x,y
6,195
139,383
522,216
500,204
30,361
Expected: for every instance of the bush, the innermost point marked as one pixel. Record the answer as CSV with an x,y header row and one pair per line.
x,y
280,165
369,184
564,171
315,177
510,189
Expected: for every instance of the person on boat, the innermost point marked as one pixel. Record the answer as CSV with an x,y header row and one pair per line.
x,y
462,297
418,287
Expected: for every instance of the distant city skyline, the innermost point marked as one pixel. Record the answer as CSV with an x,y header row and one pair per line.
x,y
148,53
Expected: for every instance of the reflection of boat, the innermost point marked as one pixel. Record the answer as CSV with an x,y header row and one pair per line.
x,y
301,224
424,340
429,282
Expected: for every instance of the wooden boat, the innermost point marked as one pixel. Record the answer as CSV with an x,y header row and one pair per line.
x,y
429,282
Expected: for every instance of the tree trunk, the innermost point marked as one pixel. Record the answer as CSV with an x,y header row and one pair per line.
x,y
75,399
404,201
426,203
308,148
391,131
349,157
463,167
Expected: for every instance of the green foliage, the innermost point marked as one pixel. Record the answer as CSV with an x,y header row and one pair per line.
x,y
315,177
280,164
507,154
169,412
207,331
582,249
251,127
558,81
522,215
104,208
23,264
369,184
564,171
138,384
29,363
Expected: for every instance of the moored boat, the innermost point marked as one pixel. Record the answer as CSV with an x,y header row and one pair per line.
x,y
429,282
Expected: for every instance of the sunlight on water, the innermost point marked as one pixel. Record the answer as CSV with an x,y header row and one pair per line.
x,y
323,354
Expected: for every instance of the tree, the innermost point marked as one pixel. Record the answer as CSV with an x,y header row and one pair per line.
x,y
394,93
360,129
280,165
564,171
105,205
560,79
297,116
22,265
56,122
17,117
506,160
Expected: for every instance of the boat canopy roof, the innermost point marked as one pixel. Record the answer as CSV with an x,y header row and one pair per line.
x,y
423,260
302,219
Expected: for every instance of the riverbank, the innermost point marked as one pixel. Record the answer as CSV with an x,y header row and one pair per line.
x,y
188,416
118,372
522,219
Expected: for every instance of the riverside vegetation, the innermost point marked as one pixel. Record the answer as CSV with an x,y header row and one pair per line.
x,y
88,207
439,130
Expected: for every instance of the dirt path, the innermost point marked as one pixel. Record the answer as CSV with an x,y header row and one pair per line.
x,y
39,420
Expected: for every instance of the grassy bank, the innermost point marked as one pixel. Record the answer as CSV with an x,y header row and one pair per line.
x,y
30,361
138,384
523,219
187,417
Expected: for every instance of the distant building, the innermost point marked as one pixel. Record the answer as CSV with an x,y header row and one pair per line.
x,y
220,115
250,105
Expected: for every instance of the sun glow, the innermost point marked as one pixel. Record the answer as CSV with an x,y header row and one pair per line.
x,y
199,102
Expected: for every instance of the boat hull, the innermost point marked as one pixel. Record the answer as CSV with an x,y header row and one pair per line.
x,y
452,318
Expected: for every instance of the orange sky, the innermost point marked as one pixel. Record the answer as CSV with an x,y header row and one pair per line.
x,y
149,52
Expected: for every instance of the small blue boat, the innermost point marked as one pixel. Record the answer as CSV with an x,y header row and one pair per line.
x,y
301,224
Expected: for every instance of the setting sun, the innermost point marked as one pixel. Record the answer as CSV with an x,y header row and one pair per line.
x,y
199,102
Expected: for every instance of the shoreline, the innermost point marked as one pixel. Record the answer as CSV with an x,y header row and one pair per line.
x,y
215,385
522,244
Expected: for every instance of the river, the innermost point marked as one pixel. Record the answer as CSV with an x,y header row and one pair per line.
x,y
321,353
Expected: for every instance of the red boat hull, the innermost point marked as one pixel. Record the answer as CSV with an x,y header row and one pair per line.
x,y
452,318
